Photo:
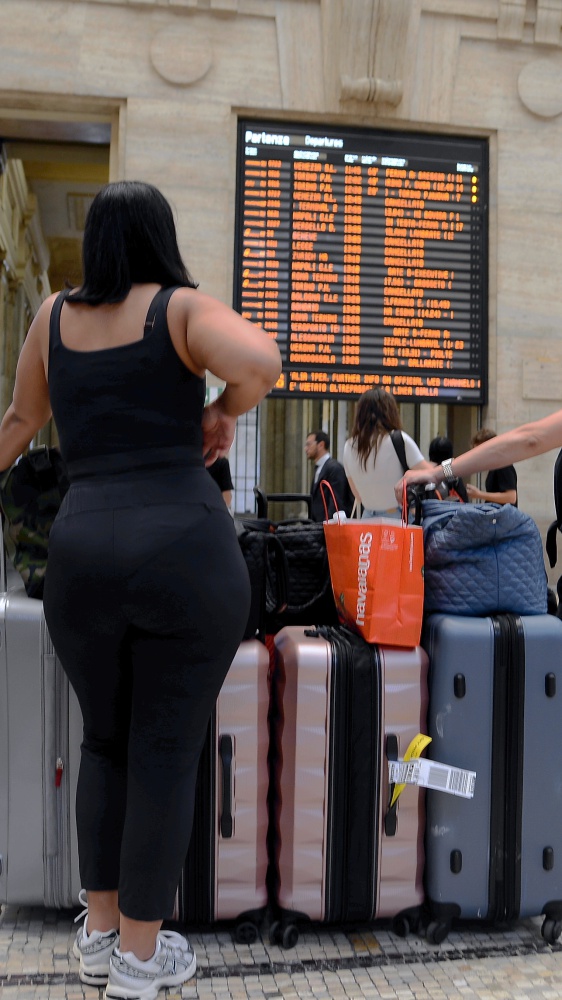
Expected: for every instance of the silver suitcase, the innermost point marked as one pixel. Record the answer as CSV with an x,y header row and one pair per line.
x,y
40,736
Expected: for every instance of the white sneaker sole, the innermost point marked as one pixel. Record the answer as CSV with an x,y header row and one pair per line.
x,y
150,991
93,975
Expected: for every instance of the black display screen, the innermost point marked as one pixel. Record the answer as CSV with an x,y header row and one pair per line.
x,y
364,254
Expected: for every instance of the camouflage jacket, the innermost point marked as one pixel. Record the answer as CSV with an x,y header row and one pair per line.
x,y
31,493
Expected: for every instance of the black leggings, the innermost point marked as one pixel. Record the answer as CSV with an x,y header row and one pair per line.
x,y
146,600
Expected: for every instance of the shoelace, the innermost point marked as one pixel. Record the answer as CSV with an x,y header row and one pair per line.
x,y
172,942
83,899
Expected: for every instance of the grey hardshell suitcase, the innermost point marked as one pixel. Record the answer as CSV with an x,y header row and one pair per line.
x,y
40,735
495,707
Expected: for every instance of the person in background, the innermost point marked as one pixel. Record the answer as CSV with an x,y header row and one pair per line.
x,y
439,449
499,451
146,590
370,458
501,484
317,448
220,471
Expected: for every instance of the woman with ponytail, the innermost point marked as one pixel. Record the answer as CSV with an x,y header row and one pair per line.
x,y
374,456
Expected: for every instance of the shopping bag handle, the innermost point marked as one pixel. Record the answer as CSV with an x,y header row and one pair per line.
x,y
324,482
404,504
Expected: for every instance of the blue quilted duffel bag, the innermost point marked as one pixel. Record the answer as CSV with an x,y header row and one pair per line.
x,y
480,559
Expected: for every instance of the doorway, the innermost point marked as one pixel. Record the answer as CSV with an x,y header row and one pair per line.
x,y
50,170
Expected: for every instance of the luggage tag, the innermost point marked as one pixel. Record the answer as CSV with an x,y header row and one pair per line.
x,y
434,775
415,748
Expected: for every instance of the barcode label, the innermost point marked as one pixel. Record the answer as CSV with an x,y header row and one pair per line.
x,y
433,774
438,778
461,782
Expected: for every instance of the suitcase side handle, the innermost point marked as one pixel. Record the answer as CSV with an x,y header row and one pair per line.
x,y
390,818
226,754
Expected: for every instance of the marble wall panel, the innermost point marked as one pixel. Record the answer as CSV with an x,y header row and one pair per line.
x,y
40,45
188,150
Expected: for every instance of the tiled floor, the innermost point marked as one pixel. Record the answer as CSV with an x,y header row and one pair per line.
x,y
513,963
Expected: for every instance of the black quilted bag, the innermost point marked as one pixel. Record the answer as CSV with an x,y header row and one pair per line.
x,y
297,585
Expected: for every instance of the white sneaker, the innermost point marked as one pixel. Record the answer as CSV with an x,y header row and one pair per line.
x,y
173,963
93,950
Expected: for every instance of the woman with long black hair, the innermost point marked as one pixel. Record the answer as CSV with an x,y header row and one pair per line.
x,y
146,593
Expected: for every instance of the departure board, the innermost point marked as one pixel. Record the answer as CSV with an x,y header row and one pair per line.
x,y
364,254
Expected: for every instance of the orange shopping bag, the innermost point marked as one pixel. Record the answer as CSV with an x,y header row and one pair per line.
x,y
376,569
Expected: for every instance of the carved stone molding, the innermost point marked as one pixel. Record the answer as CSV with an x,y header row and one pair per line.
x,y
371,89
549,22
257,7
180,54
511,19
540,87
372,37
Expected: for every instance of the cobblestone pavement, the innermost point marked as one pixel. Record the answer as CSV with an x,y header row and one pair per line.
x,y
514,963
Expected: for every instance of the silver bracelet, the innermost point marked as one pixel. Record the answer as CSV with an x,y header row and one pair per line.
x,y
448,474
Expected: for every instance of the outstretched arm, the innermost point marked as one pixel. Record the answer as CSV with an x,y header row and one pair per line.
x,y
30,408
514,446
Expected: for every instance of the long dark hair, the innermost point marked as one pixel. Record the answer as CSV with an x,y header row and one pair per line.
x,y
130,238
376,415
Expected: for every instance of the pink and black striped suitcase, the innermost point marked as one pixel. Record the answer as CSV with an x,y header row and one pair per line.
x,y
343,708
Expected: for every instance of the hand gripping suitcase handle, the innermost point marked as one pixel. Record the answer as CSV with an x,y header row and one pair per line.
x,y
226,753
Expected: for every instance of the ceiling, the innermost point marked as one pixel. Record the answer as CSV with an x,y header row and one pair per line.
x,y
65,163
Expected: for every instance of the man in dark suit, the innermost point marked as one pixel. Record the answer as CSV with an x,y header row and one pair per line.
x,y
317,448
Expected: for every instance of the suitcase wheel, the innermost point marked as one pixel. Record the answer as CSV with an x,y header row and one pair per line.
x,y
290,936
275,932
551,930
437,931
406,922
245,932
286,935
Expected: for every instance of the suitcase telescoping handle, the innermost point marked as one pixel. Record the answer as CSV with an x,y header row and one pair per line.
x,y
226,753
263,499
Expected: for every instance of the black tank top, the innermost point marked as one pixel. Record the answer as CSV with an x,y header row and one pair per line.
x,y
130,398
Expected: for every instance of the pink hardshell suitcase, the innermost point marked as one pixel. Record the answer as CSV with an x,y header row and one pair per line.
x,y
225,872
343,709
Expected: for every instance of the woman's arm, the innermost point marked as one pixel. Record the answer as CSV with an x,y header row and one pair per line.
x,y
523,442
423,465
219,340
30,408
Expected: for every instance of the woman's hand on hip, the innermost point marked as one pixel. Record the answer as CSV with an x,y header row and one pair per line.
x,y
218,432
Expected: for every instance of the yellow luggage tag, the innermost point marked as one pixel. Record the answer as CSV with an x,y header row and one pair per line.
x,y
415,749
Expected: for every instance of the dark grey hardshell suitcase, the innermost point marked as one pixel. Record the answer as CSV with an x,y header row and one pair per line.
x,y
495,689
